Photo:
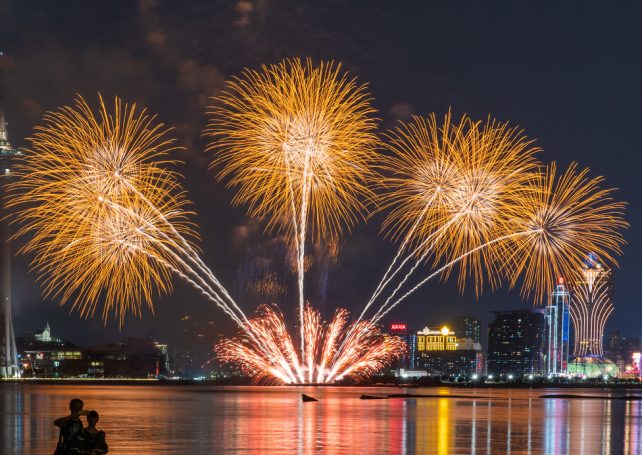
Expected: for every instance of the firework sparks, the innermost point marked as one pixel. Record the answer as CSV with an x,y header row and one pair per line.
x,y
105,218
333,351
566,216
297,141
450,188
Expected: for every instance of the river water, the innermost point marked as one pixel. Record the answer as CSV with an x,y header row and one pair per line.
x,y
144,420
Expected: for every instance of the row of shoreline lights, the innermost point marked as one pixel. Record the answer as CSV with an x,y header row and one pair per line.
x,y
530,377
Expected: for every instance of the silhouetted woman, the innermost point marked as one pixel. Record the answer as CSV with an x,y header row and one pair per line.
x,y
94,439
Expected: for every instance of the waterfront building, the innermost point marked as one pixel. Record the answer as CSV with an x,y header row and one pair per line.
x,y
441,353
556,338
619,348
632,369
64,361
192,353
436,339
591,305
515,341
8,352
42,355
615,348
591,367
132,358
410,374
635,364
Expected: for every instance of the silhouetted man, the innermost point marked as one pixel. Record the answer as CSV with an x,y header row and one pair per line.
x,y
70,427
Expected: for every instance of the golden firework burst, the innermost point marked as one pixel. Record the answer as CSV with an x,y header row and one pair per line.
x,y
99,207
296,141
564,218
453,186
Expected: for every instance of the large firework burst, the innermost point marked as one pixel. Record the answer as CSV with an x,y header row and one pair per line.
x,y
91,190
562,219
296,140
106,220
333,351
451,187
565,216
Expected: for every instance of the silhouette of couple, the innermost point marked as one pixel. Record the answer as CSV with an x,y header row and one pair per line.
x,y
75,439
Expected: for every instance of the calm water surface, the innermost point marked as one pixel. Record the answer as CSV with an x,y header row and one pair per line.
x,y
201,420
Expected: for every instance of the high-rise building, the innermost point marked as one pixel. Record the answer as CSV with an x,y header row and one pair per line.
x,y
8,352
467,327
591,305
192,351
515,341
556,339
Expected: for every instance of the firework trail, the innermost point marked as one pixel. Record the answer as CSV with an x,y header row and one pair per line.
x,y
106,220
366,350
297,141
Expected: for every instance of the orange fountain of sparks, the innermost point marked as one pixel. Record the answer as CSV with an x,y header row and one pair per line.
x,y
333,350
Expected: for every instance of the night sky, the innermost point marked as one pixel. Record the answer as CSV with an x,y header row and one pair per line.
x,y
570,75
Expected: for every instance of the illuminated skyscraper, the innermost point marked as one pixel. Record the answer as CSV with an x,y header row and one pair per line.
x,y
515,340
591,305
8,352
556,338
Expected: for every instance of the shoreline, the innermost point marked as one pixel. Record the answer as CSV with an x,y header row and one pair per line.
x,y
247,383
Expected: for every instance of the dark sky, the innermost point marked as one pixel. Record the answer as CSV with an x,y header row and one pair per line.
x,y
570,75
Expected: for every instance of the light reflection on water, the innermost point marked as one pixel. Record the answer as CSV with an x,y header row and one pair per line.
x,y
199,419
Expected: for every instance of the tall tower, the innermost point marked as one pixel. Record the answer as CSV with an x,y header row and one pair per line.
x,y
8,354
591,305
556,340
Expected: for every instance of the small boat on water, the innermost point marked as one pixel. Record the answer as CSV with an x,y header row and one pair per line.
x,y
306,398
